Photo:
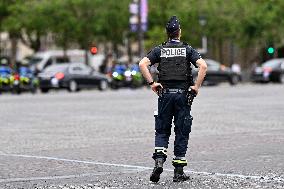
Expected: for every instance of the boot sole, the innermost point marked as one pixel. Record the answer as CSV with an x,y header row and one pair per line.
x,y
155,176
180,179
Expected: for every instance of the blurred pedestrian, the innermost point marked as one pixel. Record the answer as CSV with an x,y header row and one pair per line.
x,y
236,68
107,64
173,86
4,66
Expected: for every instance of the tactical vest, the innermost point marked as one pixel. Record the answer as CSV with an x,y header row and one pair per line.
x,y
174,64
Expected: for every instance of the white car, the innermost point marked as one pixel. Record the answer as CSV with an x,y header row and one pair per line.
x,y
41,60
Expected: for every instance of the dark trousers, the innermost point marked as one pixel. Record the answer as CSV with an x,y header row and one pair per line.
x,y
172,105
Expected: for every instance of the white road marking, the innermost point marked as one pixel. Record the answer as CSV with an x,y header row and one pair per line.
x,y
49,177
262,178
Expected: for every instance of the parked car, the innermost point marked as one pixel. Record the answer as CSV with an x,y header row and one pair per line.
x,y
271,70
71,76
42,60
217,73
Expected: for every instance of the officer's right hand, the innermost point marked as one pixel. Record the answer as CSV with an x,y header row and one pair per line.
x,y
195,88
156,86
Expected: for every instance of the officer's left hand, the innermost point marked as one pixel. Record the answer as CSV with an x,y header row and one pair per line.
x,y
155,87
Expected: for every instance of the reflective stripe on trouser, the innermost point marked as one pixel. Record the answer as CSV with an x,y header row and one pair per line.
x,y
173,105
179,161
160,152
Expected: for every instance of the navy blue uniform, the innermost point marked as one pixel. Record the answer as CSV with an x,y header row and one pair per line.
x,y
173,104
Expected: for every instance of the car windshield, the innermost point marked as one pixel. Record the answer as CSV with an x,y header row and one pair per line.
x,y
56,68
35,60
272,63
62,59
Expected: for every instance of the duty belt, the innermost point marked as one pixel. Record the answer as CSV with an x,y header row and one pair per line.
x,y
191,94
173,90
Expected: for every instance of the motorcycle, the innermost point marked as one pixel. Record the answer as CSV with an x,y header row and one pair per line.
x,y
137,78
6,78
118,76
124,76
25,80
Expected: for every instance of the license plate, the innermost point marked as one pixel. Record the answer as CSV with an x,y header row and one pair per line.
x,y
265,74
54,82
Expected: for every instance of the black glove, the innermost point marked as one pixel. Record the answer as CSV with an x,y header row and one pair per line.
x,y
191,94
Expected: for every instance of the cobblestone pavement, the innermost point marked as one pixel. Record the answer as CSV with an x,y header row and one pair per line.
x,y
94,139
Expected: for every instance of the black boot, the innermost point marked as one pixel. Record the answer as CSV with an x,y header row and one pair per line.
x,y
179,175
158,169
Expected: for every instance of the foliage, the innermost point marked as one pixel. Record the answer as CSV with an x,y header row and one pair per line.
x,y
161,10
84,22
27,21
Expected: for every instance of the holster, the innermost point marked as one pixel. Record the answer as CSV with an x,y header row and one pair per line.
x,y
160,91
191,94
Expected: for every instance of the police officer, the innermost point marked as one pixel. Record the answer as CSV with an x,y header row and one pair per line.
x,y
174,81
4,66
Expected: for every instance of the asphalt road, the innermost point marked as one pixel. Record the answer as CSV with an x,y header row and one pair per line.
x,y
95,139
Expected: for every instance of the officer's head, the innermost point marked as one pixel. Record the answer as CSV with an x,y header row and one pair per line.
x,y
173,28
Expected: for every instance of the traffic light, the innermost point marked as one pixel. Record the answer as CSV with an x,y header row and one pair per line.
x,y
270,50
94,50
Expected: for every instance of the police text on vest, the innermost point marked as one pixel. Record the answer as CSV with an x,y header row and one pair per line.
x,y
173,52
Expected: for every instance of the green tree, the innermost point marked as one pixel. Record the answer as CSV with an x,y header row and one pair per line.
x,y
62,22
5,14
28,20
77,21
4,4
159,13
85,22
114,21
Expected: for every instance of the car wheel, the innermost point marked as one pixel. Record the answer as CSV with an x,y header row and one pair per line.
x,y
44,90
281,78
234,80
113,85
73,86
18,91
103,85
33,90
